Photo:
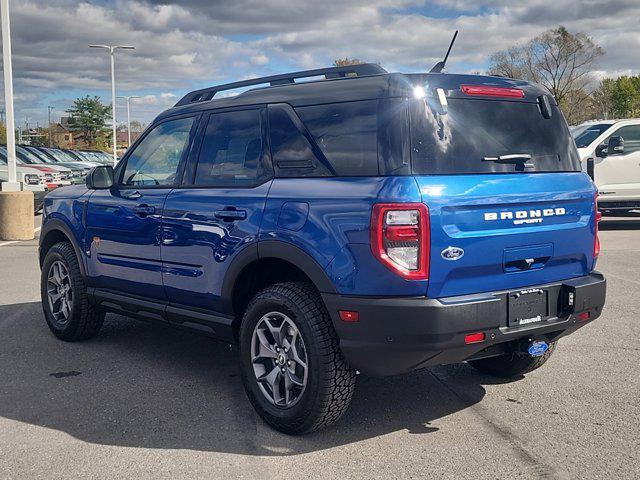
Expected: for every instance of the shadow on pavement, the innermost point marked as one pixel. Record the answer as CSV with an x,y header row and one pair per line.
x,y
144,385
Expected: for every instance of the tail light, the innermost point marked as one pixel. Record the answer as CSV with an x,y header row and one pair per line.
x,y
400,238
485,91
598,217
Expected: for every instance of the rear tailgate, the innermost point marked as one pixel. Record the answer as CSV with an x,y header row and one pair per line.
x,y
513,230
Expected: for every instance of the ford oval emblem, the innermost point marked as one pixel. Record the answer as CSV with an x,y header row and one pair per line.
x,y
537,349
452,253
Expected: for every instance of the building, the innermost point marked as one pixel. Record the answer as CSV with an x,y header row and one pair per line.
x,y
61,134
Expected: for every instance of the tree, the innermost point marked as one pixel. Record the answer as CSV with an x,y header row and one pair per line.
x,y
559,60
346,61
3,134
89,116
136,126
603,97
626,96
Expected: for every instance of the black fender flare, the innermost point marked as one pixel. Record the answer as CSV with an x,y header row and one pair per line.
x,y
58,225
274,249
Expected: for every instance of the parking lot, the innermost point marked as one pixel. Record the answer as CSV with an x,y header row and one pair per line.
x,y
140,401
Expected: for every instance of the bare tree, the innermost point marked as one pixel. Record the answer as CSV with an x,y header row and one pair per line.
x,y
603,97
559,60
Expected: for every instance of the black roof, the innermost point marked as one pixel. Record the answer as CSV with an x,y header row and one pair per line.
x,y
342,84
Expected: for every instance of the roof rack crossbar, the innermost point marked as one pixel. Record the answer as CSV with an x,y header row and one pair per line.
x,y
359,70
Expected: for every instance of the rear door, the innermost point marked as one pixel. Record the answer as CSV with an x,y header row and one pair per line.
x,y
123,223
218,213
618,175
509,207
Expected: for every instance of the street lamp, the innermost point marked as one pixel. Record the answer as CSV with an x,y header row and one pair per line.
x,y
128,99
112,49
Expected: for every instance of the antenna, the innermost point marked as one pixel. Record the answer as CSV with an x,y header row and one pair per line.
x,y
438,67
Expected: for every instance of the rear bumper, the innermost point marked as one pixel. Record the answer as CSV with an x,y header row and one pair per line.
x,y
397,335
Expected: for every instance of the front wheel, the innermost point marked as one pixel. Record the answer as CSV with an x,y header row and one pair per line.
x,y
513,364
293,370
66,306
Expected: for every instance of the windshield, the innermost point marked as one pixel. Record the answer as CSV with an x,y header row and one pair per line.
x,y
39,155
584,136
27,156
489,136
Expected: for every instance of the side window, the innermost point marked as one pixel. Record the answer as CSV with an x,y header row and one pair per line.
x,y
292,152
347,135
631,136
232,151
156,158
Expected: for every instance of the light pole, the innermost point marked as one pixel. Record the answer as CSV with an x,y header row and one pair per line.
x,y
12,184
128,99
49,108
112,49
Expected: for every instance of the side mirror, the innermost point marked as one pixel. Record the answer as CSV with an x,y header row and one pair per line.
x,y
601,151
616,146
100,178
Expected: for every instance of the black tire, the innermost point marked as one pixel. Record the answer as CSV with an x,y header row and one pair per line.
x,y
84,321
331,381
512,364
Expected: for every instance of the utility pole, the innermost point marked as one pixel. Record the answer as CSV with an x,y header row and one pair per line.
x,y
12,184
49,108
128,99
112,49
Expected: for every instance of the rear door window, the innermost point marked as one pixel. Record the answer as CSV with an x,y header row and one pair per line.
x,y
473,135
232,153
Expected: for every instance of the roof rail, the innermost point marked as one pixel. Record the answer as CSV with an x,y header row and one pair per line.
x,y
359,70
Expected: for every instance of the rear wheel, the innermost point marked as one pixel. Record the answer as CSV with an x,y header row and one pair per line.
x,y
66,306
292,367
513,364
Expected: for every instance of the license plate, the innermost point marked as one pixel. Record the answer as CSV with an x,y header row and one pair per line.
x,y
528,306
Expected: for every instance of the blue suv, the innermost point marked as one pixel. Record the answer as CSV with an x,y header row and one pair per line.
x,y
358,220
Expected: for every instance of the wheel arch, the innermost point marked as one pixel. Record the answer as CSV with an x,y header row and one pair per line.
x,y
55,231
265,263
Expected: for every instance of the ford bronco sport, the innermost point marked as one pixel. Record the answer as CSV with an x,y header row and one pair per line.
x,y
364,221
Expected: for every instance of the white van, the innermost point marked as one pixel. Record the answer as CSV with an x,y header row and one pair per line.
x,y
614,148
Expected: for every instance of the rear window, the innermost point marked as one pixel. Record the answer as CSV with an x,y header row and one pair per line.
x,y
489,136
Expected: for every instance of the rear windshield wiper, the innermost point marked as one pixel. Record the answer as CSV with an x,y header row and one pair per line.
x,y
517,158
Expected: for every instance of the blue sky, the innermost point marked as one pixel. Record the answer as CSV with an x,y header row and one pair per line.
x,y
189,44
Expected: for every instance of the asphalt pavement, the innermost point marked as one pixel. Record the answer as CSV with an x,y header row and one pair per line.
x,y
142,401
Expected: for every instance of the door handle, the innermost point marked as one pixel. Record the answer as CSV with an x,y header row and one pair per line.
x,y
229,215
144,210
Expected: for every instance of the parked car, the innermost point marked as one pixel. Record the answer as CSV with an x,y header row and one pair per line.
x,y
610,152
31,179
61,175
368,221
78,171
60,158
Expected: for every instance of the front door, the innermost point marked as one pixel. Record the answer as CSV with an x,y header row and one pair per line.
x,y
618,175
123,223
207,223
